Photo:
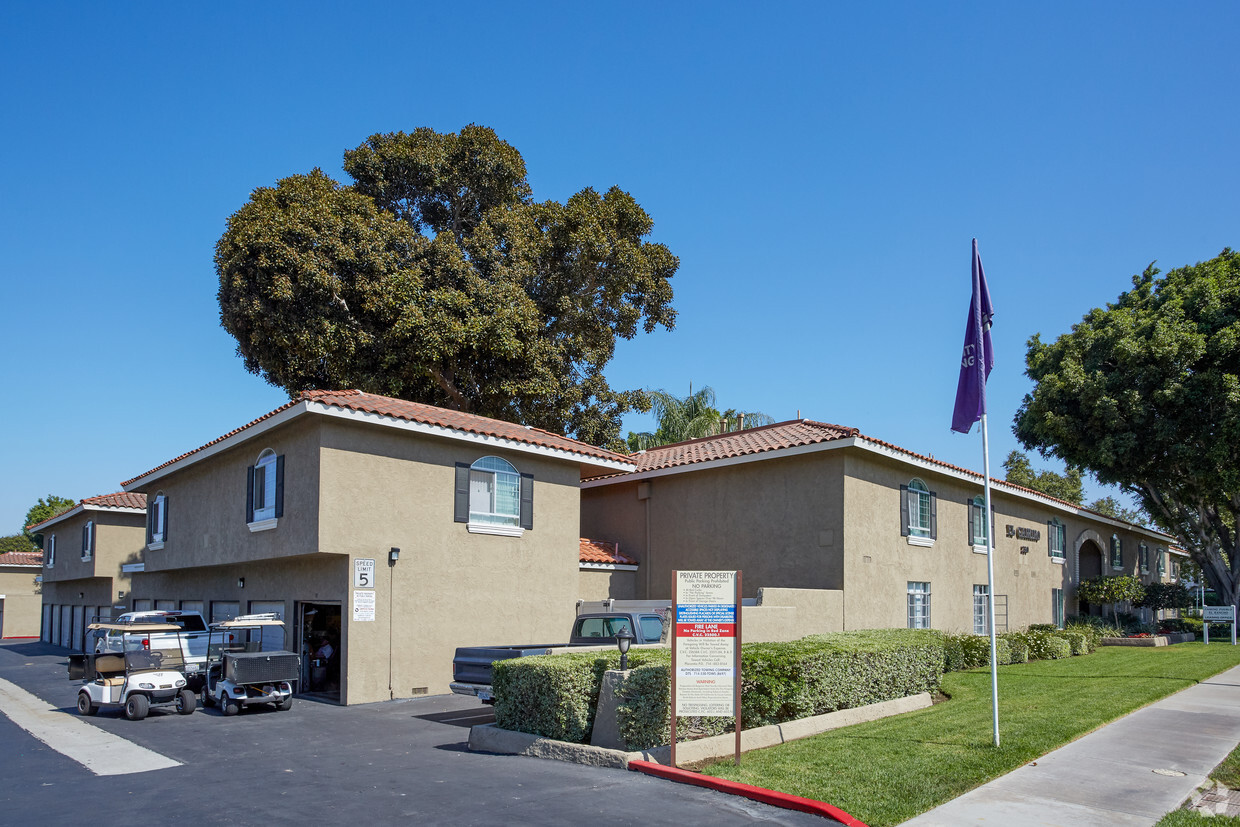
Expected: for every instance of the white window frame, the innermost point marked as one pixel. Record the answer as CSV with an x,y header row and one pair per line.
x,y
981,609
1117,550
919,513
50,555
1058,537
157,524
90,540
492,472
918,604
264,497
978,516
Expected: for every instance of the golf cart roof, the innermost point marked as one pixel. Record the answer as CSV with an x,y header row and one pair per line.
x,y
134,627
249,621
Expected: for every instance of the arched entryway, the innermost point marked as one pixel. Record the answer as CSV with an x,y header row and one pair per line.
x,y
1088,564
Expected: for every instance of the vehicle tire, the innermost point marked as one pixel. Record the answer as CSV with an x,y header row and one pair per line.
x,y
208,700
85,706
136,707
187,702
231,707
286,704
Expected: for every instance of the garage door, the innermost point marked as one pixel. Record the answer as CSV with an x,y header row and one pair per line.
x,y
273,636
45,632
79,627
66,626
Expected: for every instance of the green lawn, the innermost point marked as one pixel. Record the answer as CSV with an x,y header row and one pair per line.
x,y
888,771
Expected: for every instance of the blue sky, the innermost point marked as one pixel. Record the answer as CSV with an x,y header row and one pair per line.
x,y
818,168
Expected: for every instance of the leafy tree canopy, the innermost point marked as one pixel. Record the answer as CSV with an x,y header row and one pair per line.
x,y
1165,596
45,509
1145,393
1113,508
1065,486
691,417
1104,590
436,277
16,542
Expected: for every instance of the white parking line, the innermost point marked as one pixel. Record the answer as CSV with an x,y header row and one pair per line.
x,y
100,752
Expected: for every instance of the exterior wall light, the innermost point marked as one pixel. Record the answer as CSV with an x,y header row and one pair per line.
x,y
241,582
393,556
624,639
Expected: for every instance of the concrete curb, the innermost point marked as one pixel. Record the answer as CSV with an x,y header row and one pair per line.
x,y
490,738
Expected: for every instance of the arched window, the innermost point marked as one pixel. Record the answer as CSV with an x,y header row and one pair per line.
x,y
494,492
265,491
156,520
1056,535
1162,562
1143,558
918,505
1117,552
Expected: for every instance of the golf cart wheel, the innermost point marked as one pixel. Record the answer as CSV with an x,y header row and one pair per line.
x,y
136,707
286,704
208,700
187,702
231,707
85,706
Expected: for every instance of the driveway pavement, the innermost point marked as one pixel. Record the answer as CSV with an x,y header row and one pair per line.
x,y
400,761
1130,772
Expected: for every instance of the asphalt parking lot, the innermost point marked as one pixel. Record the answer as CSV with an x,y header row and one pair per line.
x,y
401,761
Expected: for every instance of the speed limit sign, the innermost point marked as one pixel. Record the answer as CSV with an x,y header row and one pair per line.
x,y
363,574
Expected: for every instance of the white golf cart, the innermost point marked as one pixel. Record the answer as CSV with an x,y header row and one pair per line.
x,y
135,679
241,671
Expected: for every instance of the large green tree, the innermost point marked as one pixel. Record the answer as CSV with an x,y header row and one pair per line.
x,y
690,417
1065,486
16,542
1145,393
42,510
436,277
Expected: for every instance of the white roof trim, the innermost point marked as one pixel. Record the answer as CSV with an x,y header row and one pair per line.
x,y
606,567
892,453
315,407
80,507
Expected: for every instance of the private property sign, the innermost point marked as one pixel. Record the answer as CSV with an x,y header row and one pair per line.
x,y
706,648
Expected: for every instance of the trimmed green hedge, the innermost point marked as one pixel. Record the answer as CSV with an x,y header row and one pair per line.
x,y
556,695
971,651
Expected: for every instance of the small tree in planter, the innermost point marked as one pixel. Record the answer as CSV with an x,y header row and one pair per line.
x,y
1165,596
1113,590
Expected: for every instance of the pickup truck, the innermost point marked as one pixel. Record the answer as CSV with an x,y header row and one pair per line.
x,y
471,668
192,640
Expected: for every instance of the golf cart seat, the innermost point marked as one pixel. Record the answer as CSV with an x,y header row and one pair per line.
x,y
108,666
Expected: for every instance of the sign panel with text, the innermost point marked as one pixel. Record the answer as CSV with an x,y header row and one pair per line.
x,y
706,672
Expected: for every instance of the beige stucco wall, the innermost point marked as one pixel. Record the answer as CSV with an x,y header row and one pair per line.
x,y
789,614
22,602
880,562
598,584
383,488
777,520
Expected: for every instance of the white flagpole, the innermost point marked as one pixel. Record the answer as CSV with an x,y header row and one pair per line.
x,y
990,581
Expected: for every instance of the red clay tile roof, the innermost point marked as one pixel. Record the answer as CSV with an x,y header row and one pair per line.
x,y
355,400
794,433
758,440
120,499
22,558
597,551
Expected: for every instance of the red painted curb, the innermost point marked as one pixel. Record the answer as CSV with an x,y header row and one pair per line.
x,y
788,802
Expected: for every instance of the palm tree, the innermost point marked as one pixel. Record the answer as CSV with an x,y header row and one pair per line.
x,y
690,417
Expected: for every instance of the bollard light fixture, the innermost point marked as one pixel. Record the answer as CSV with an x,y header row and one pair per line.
x,y
624,639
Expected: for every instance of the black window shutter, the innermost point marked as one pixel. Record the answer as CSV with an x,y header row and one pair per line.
x,y
934,516
85,539
972,520
1050,538
249,494
461,501
527,500
903,510
164,514
280,485
150,517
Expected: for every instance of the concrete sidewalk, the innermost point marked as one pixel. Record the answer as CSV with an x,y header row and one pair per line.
x,y
1130,772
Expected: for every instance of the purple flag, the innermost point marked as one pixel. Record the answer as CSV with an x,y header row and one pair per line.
x,y
977,358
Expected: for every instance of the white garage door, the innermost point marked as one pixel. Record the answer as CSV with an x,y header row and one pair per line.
x,y
273,636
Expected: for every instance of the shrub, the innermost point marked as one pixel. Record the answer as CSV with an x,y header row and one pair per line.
x,y
786,681
965,651
1078,642
1043,627
1047,646
1018,648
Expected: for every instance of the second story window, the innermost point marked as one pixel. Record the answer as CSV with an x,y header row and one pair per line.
x,y
1143,558
918,520
978,524
265,491
1162,562
1056,537
88,540
1117,552
156,520
49,552
493,497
